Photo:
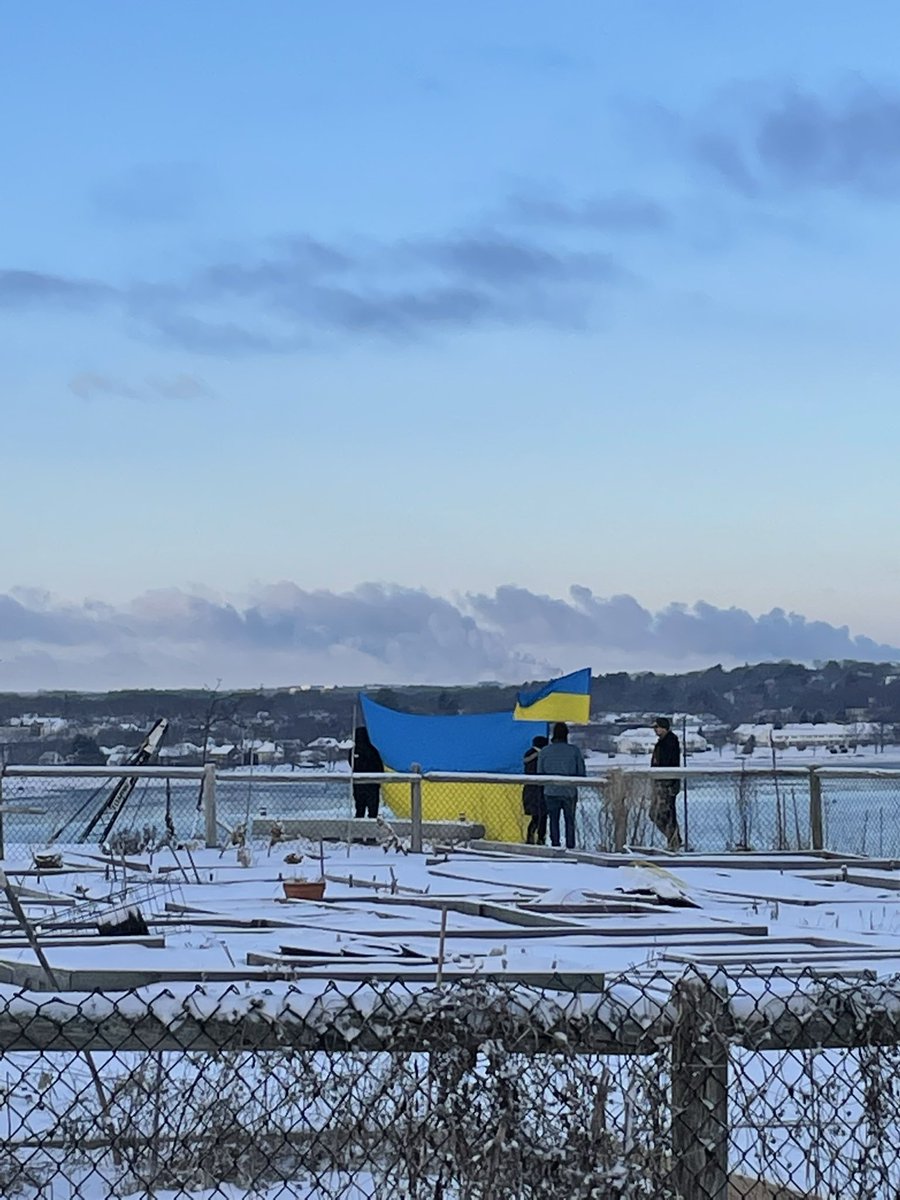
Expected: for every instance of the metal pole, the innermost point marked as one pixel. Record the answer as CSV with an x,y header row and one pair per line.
x,y
684,794
208,796
2,843
415,811
816,832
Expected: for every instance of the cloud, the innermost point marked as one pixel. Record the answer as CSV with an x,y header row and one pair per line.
x,y
32,289
289,294
799,141
379,633
92,385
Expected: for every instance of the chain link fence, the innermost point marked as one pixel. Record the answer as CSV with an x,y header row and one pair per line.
x,y
852,812
701,1088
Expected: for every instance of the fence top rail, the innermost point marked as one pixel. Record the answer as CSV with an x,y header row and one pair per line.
x,y
712,772
592,780
768,772
606,1015
857,772
602,778
121,772
318,777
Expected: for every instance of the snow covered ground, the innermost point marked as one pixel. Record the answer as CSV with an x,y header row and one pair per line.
x,y
224,943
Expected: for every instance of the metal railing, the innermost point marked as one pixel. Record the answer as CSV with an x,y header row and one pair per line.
x,y
708,1087
851,810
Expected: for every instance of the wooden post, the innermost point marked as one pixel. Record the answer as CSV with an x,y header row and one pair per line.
x,y
700,1091
208,793
415,811
816,833
616,799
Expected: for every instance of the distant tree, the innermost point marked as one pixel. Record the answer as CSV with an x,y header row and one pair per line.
x,y
447,704
86,753
750,745
388,697
220,710
804,717
818,717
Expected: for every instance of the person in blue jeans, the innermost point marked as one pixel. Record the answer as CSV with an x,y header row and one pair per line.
x,y
559,758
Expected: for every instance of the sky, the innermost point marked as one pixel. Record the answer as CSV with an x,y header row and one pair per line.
x,y
440,342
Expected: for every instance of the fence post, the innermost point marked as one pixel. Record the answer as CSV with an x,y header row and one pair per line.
x,y
816,833
208,792
617,800
2,842
415,811
700,1091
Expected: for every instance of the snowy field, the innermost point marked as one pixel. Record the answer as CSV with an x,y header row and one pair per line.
x,y
576,942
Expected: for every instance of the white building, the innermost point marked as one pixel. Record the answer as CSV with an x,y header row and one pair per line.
x,y
180,750
825,733
642,741
263,752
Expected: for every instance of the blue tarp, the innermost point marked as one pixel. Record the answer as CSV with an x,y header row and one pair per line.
x,y
480,742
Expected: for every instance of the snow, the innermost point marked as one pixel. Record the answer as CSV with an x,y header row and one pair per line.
x,y
506,915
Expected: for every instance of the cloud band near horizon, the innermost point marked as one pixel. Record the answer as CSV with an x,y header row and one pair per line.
x,y
382,633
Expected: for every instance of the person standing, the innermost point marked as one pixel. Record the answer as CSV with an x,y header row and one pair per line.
x,y
533,796
559,758
364,758
666,753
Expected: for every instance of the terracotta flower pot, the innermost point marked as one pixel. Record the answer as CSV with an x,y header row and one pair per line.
x,y
301,889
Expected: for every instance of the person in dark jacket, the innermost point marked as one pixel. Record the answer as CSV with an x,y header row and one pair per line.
x,y
364,758
666,753
559,758
533,796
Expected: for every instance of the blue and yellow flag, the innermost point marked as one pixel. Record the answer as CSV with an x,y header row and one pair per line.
x,y
491,742
565,699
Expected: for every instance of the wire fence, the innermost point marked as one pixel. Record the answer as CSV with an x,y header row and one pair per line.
x,y
701,1088
851,811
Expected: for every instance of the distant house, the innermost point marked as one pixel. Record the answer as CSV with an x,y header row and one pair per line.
x,y
227,755
642,740
803,734
180,752
38,726
51,758
324,743
259,752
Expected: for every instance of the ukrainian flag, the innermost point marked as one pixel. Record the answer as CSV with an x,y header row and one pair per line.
x,y
490,742
565,699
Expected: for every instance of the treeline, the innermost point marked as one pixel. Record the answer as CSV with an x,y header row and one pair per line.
x,y
783,691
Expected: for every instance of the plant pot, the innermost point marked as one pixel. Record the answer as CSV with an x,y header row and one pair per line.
x,y
301,889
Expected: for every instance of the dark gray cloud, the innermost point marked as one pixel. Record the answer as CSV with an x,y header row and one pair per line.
x,y
383,633
32,289
293,293
848,140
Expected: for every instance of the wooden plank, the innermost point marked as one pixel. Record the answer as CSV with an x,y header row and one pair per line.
x,y
152,941
357,829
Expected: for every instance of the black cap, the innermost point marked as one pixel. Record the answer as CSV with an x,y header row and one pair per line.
x,y
662,723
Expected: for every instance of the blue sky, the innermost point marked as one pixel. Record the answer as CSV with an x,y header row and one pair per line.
x,y
447,299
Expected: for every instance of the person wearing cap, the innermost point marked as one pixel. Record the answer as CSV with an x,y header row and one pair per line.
x,y
666,753
559,758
